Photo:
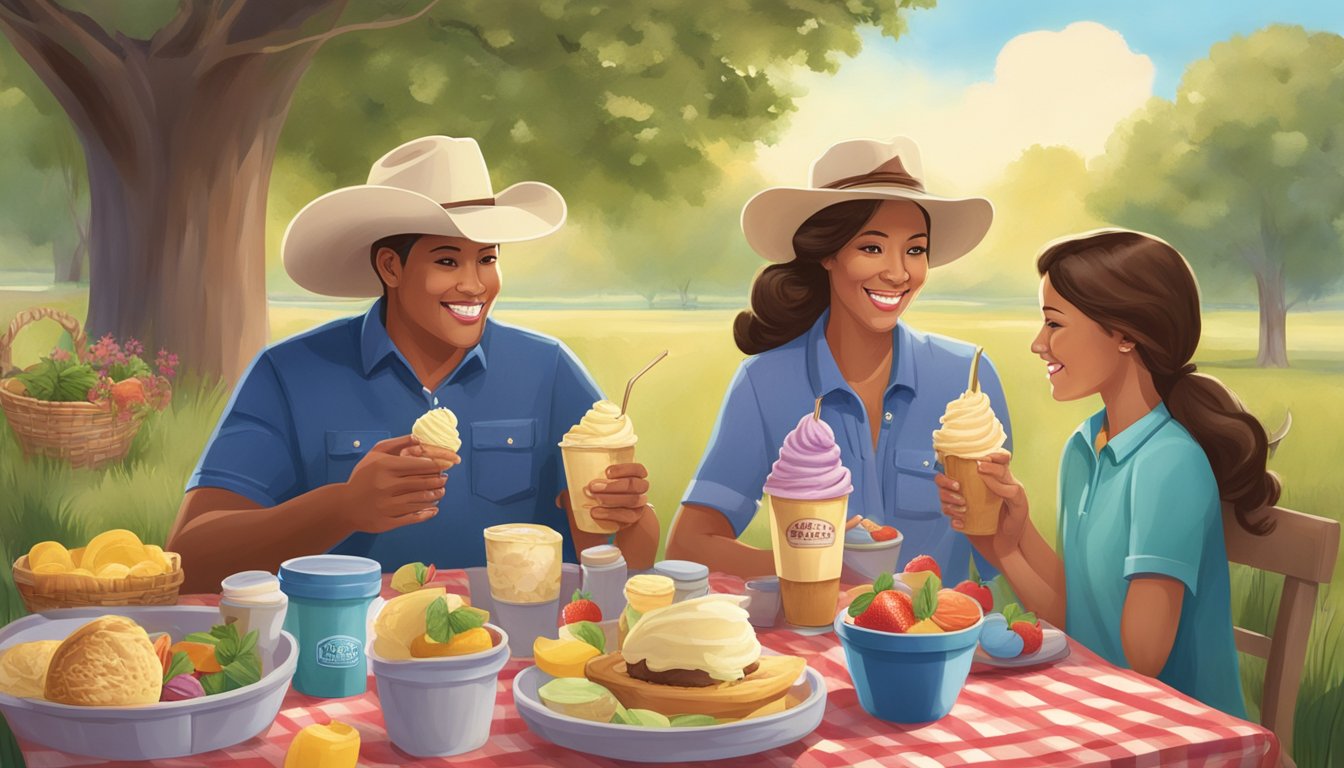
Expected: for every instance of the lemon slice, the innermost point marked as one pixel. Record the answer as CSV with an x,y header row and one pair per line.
x,y
47,552
77,555
50,568
92,557
403,617
146,568
156,554
114,571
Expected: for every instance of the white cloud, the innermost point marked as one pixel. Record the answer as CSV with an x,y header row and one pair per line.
x,y
1069,88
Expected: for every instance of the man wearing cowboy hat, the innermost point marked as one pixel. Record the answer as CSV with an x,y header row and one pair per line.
x,y
849,253
313,453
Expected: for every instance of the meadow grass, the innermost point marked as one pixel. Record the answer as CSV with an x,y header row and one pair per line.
x,y
674,408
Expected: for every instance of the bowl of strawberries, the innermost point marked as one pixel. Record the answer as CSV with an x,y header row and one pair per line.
x,y
909,656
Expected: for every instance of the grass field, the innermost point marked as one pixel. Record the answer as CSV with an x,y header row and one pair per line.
x,y
674,407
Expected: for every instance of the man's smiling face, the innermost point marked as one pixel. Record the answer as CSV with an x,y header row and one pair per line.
x,y
446,287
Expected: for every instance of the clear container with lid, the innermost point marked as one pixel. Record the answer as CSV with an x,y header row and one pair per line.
x,y
253,600
522,561
691,579
604,573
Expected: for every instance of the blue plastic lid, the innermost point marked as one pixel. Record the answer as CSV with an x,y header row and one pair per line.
x,y
331,577
681,570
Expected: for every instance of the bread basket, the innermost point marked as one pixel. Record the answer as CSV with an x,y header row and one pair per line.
x,y
49,591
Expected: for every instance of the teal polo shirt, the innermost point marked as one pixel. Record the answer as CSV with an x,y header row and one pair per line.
x,y
1148,505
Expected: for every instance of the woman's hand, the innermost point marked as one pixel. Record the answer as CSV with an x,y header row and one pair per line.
x,y
1013,512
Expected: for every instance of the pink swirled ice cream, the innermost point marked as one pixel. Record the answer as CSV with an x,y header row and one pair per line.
x,y
809,465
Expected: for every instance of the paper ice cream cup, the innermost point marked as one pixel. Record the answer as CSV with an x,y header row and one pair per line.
x,y
808,537
584,464
982,504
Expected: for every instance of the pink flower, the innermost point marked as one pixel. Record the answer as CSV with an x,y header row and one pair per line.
x,y
59,354
133,347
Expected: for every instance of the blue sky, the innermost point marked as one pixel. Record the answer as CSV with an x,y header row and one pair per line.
x,y
959,39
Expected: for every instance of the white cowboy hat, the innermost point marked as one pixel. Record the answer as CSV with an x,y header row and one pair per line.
x,y
435,185
865,169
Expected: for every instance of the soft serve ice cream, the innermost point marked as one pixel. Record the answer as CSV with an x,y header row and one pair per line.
x,y
602,438
971,432
438,427
808,491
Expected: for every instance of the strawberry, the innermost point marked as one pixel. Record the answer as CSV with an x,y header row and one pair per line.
x,y
581,608
885,533
1031,636
980,592
923,563
890,611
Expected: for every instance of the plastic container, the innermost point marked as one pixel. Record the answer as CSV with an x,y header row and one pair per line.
x,y
253,600
872,560
525,622
907,678
439,707
604,573
763,610
692,579
329,598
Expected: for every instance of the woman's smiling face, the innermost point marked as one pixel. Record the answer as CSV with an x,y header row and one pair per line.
x,y
1080,356
876,275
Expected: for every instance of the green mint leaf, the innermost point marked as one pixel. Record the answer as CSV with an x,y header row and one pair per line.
x,y
437,625
692,721
201,637
591,634
937,582
248,643
1011,612
40,382
244,671
861,603
464,619
420,572
214,683
884,582
973,573
926,602
180,665
1026,616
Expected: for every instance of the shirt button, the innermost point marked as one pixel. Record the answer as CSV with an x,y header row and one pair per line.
x,y
509,441
356,443
887,416
926,462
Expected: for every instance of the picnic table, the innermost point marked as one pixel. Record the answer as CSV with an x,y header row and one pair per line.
x,y
1079,711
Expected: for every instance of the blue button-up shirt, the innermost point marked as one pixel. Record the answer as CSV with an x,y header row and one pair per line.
x,y
893,484
310,407
1148,505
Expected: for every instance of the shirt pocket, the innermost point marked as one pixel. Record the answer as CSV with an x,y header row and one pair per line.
x,y
916,493
501,459
345,448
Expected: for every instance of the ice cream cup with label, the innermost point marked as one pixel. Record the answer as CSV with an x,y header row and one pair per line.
x,y
523,562
807,493
329,598
969,433
603,437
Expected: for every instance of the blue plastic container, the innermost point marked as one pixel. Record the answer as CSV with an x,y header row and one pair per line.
x,y
907,678
329,598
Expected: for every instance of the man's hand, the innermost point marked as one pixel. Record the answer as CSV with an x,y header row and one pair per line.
x,y
445,458
621,499
389,489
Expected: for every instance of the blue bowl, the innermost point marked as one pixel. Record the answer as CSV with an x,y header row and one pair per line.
x,y
907,678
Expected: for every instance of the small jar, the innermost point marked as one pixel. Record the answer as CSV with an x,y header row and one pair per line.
x,y
691,579
604,573
644,593
253,600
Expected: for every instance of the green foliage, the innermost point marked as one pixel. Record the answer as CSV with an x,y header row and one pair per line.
x,y
1245,169
59,381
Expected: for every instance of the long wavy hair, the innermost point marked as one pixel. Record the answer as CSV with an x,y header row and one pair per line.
x,y
786,299
1139,286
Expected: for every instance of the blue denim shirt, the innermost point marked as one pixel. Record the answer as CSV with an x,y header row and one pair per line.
x,y
310,407
893,484
1148,505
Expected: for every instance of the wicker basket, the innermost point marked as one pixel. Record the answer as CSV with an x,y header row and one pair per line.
x,y
84,434
49,591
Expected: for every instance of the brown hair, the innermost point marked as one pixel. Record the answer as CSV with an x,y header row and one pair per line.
x,y
1136,285
786,299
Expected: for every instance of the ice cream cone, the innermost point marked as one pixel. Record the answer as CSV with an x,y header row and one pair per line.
x,y
808,540
584,465
982,505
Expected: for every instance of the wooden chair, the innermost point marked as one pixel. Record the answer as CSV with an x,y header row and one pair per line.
x,y
1302,548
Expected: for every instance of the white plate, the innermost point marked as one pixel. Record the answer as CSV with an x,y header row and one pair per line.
x,y
1054,646
667,745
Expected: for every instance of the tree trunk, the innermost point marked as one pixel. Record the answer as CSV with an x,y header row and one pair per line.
x,y
1273,318
178,218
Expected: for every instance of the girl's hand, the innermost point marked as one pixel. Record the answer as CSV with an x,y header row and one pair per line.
x,y
1013,513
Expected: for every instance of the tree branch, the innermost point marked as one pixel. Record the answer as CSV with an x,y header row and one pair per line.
x,y
72,30
182,32
240,49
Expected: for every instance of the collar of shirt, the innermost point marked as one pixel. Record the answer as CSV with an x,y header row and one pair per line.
x,y
376,346
824,374
1123,445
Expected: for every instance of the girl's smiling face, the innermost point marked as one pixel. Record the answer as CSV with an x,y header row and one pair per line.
x,y
876,275
1080,356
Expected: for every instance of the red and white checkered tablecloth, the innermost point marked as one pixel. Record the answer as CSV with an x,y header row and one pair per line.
x,y
1080,711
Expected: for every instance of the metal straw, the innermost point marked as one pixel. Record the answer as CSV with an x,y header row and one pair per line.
x,y
630,384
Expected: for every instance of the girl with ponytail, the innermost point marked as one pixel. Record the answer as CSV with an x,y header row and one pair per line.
x,y
1139,572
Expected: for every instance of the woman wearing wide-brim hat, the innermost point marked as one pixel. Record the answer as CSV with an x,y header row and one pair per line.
x,y
850,252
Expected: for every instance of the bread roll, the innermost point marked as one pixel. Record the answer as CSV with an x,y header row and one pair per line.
x,y
109,662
